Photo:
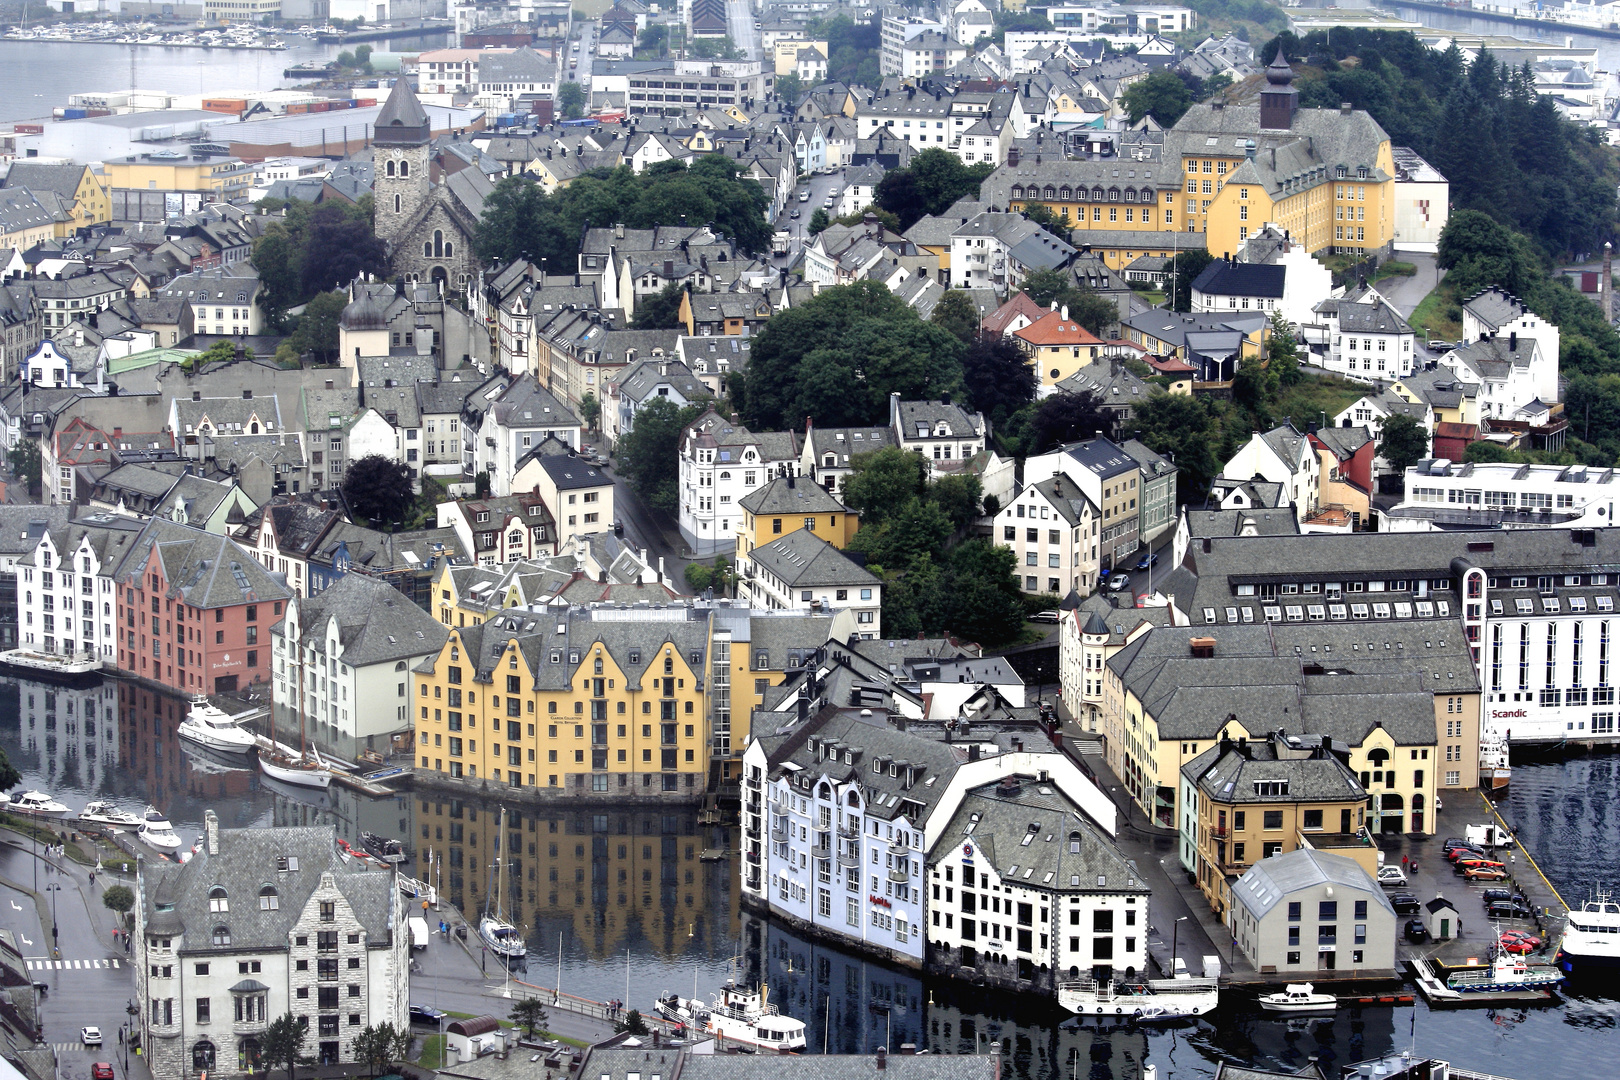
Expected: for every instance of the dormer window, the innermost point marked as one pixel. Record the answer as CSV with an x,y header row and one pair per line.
x,y
218,899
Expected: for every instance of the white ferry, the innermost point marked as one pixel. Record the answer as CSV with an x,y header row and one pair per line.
x,y
1591,936
741,1018
1155,999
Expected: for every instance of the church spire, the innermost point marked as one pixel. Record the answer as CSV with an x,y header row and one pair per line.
x,y
402,121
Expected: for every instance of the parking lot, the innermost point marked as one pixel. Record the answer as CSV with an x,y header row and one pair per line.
x,y
1435,876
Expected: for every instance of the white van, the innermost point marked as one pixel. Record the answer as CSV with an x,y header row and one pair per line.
x,y
419,932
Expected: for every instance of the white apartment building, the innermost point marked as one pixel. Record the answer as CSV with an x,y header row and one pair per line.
x,y
507,417
1496,314
65,594
801,571
1281,456
260,923
1367,339
1052,530
349,650
449,71
895,32
1440,493
945,434
721,462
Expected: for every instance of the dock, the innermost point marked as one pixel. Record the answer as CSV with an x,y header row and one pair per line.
x,y
1432,986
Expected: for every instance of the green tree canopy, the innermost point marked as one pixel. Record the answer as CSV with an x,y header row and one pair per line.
x,y
660,311
956,313
9,776
529,1014
1403,441
378,489
1181,272
819,221
314,248
119,898
27,464
571,99
283,1042
1086,306
931,184
1179,426
882,482
1476,251
590,410
998,378
648,455
839,355
1162,95
521,221
318,326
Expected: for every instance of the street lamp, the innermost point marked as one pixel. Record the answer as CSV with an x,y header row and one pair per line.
x,y
1175,935
53,889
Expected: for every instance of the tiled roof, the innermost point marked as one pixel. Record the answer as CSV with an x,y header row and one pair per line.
x,y
802,558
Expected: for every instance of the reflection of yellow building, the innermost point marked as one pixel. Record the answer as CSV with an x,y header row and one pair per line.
x,y
595,703
600,872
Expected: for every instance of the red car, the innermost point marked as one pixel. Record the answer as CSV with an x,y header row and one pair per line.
x,y
101,1070
1530,941
1485,873
1516,945
1463,852
1476,860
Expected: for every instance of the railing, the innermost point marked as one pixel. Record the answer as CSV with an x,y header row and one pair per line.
x,y
848,857
900,872
822,848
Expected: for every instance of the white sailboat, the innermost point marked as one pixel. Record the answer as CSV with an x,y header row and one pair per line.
x,y
307,769
502,937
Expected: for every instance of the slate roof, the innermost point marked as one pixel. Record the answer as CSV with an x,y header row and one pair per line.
x,y
1268,882
61,179
1112,382
1226,278
1064,849
1263,522
177,898
620,1063
1494,307
1067,499
1103,457
788,496
959,422
1228,772
638,381
206,569
377,624
573,473
801,558
844,442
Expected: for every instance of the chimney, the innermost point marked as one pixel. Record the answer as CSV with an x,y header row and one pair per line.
x,y
211,829
1063,313
1345,108
618,231
882,1058
1012,156
1608,281
669,268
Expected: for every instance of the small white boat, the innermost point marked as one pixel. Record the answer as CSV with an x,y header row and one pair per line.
x,y
301,771
37,804
216,729
1298,998
502,937
157,832
740,1018
106,813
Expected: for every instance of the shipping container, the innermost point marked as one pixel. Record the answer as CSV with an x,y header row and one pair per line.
x,y
365,103
320,106
70,114
235,106
298,109
97,112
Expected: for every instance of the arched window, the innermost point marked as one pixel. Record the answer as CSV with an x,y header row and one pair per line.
x,y
854,799
202,1056
254,428
438,243
427,249
218,899
222,935
404,168
449,250
1074,843
725,476
269,899
390,168
824,791
400,666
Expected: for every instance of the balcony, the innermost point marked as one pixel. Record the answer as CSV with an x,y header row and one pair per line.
x,y
897,848
846,832
900,871
849,856
1218,831
249,1027
822,848
779,831
752,857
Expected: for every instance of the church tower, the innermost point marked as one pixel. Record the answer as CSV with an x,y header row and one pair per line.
x,y
400,159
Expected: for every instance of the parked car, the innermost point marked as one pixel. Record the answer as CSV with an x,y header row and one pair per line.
x,y
1485,873
1405,904
1469,861
1529,939
1045,616
1150,559
1416,932
1507,909
795,214
1391,875
804,196
90,1036
1463,852
1118,582
1455,841
425,1014
603,461
1492,895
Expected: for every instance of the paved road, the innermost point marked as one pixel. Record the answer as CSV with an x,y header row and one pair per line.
x,y
586,55
740,17
1406,293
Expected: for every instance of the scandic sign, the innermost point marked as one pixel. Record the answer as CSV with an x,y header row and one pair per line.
x,y
1508,714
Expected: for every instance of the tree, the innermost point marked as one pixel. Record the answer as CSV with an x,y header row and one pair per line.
x,y
9,776
378,489
649,452
789,88
698,577
1486,452
220,352
882,482
481,484
1087,307
1282,352
1041,214
119,898
653,43
1065,418
956,313
26,464
375,1046
339,246
633,1023
1182,271
1477,252
660,311
1179,426
1254,386
998,378
819,221
571,99
722,48
1162,95
982,599
590,410
959,498
318,326
931,184
283,1042
838,356
529,1014
1046,287
1403,442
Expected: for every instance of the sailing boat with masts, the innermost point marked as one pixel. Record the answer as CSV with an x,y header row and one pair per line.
x,y
502,937
307,769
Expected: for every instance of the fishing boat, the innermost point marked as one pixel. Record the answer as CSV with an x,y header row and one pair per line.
x,y
1495,770
106,813
36,803
208,725
503,939
383,848
1153,999
157,832
737,1017
1506,973
1298,998
1591,938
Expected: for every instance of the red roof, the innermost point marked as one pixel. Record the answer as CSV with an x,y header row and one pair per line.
x,y
1053,329
1170,365
997,321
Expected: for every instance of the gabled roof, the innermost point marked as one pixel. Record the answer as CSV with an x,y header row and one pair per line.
x,y
787,495
1226,278
802,558
1270,881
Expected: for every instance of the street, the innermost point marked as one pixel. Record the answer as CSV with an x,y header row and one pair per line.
x,y
642,532
740,17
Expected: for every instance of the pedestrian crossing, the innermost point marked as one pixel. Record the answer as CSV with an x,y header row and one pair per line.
x,y
70,965
62,1048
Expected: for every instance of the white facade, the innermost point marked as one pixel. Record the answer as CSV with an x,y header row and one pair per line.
x,y
721,463
1281,457
65,599
1422,203
895,32
1056,549
1516,495
1367,339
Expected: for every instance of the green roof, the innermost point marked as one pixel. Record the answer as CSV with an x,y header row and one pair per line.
x,y
147,358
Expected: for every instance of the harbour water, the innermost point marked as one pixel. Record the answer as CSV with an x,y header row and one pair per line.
x,y
1608,49
37,76
637,913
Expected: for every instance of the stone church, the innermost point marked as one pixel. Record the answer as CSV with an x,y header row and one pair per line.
x,y
428,226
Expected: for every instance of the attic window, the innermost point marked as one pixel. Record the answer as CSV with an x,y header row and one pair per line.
x,y
286,864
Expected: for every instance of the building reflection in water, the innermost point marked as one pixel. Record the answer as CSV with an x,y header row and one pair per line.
x,y
71,731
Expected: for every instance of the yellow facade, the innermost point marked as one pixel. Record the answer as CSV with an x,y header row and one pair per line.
x,y
1086,216
1348,214
1233,836
1465,412
837,527
229,177
612,733
27,236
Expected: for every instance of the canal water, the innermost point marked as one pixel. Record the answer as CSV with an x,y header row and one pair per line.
x,y
38,76
621,904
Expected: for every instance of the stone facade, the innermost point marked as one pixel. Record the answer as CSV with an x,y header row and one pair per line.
x,y
427,229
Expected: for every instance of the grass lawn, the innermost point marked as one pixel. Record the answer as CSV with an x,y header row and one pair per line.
x,y
541,1032
1319,399
432,1055
1152,297
1439,315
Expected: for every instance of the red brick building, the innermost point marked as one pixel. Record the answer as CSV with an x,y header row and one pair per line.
x,y
195,610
